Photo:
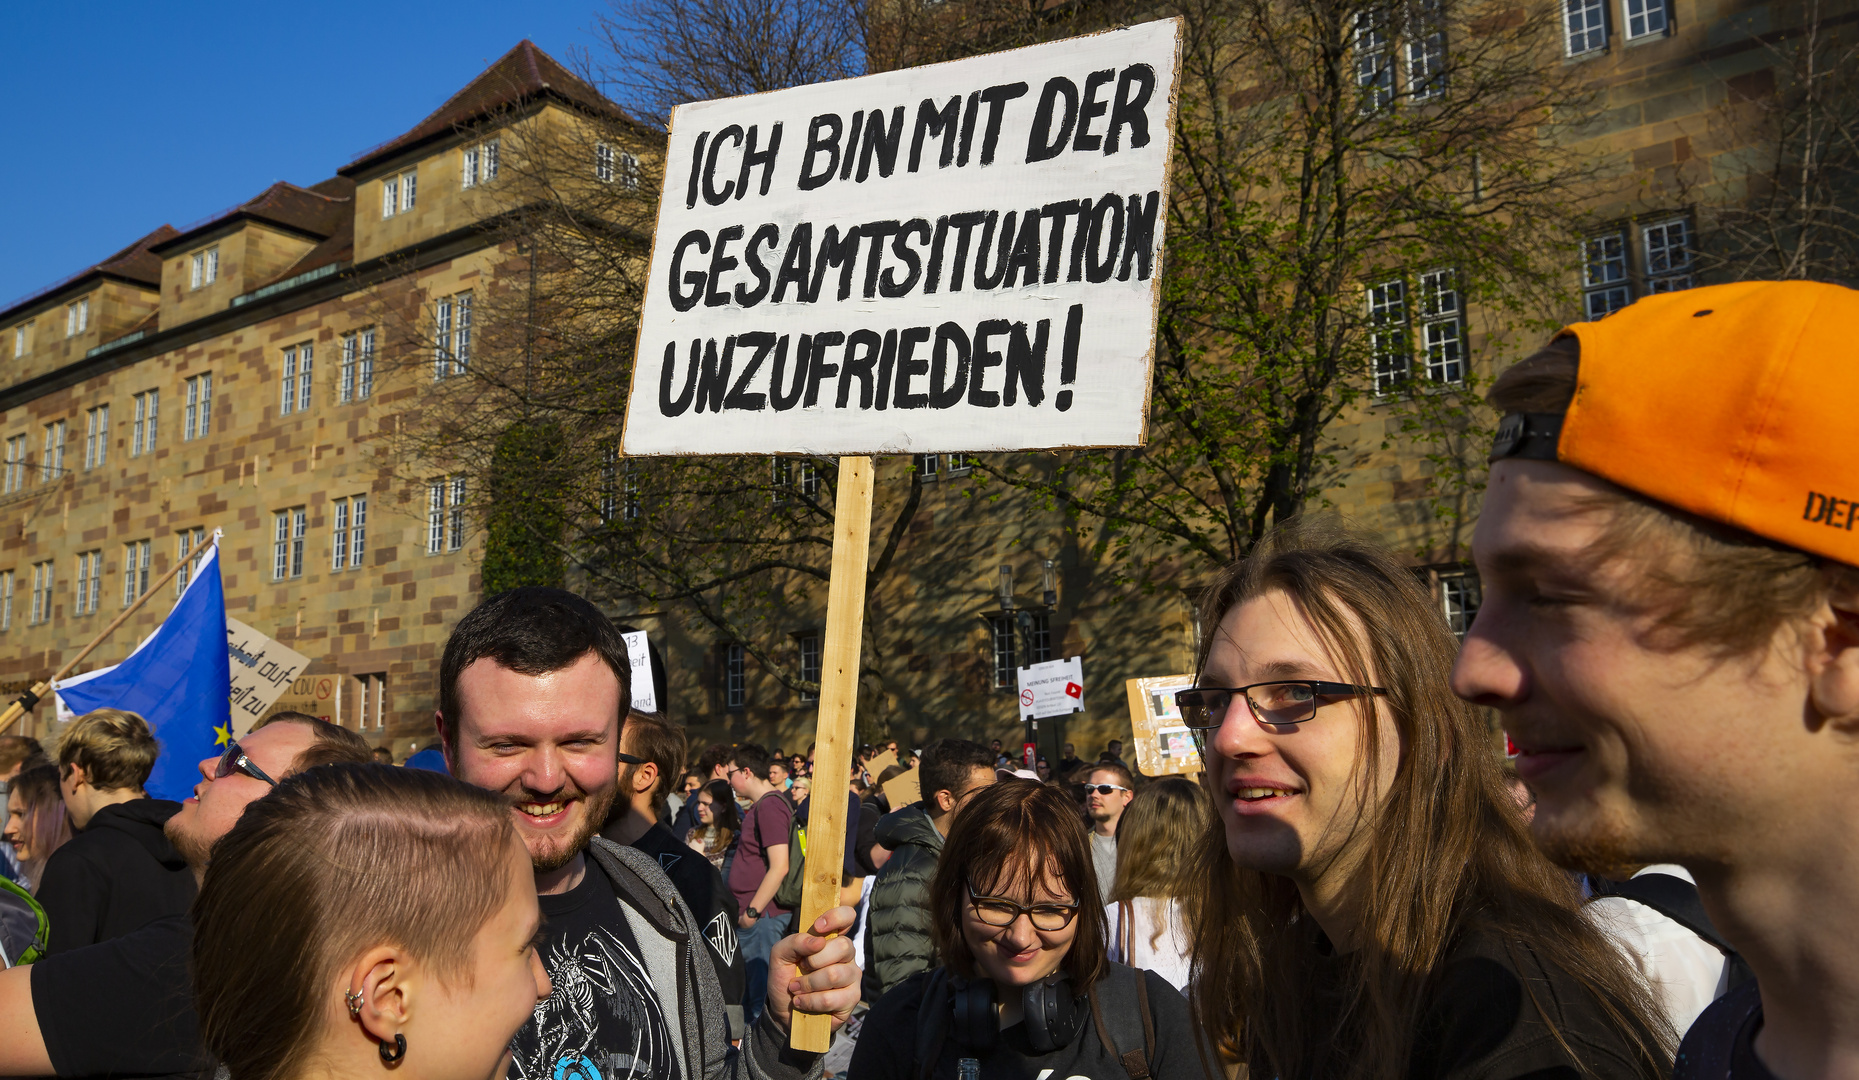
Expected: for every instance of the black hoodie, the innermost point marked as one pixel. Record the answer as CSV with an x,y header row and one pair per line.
x,y
117,875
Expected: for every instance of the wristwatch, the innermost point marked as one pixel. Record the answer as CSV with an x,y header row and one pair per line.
x,y
752,913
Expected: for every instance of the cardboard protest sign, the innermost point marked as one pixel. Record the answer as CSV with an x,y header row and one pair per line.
x,y
1164,746
902,790
645,696
314,695
1053,688
958,257
880,763
262,670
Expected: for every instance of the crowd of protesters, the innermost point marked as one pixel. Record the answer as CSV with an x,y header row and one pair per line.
x,y
1354,887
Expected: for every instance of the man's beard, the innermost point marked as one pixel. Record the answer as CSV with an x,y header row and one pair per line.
x,y
190,846
594,817
1598,846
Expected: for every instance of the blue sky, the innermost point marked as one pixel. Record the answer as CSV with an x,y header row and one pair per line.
x,y
128,115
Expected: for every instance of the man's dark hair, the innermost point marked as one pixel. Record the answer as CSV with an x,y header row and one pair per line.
x,y
383,755
21,751
753,757
659,741
531,630
715,754
947,764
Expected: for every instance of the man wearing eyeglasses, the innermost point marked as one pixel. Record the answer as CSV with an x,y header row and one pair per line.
x,y
1108,791
124,1007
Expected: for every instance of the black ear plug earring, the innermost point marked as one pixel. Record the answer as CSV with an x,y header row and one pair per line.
x,y
391,1053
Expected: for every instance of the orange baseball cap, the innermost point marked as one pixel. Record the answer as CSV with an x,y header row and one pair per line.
x,y
1738,403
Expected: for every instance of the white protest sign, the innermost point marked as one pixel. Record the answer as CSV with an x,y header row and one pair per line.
x,y
262,670
958,257
1053,688
645,695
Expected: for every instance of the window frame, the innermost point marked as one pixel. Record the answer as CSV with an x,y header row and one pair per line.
x,y
812,647
735,675
96,436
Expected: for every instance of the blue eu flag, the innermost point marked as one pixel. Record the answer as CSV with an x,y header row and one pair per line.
x,y
179,680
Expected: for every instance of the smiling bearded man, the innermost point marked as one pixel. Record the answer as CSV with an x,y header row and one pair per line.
x,y
532,689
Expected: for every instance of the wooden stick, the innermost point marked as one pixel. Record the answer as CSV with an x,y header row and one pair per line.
x,y
18,707
832,742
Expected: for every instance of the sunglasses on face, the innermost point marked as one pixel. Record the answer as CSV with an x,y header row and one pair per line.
x,y
1104,789
234,760
629,759
998,911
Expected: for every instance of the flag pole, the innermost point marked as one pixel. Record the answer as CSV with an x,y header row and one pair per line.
x,y
31,698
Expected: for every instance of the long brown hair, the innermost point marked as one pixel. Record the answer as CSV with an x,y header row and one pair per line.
x,y
1157,837
1008,834
334,861
43,824
1448,850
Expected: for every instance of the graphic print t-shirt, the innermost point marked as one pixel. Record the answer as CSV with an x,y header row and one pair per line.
x,y
603,1021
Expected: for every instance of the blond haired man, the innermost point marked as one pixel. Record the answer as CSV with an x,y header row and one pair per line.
x,y
119,872
1670,630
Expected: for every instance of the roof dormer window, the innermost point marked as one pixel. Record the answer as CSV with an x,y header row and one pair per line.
x,y
205,268
480,163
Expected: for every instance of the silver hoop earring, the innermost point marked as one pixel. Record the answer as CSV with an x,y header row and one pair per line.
x,y
354,998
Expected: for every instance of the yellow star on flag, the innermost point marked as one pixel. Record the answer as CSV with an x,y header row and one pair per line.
x,y
222,734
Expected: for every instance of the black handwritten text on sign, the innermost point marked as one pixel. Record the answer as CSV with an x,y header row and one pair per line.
x,y
956,257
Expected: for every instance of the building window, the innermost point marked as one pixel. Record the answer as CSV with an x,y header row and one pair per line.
x,y
1426,49
735,674
1039,637
1667,248
6,600
1389,349
1003,637
350,538
205,268
603,163
15,475
197,417
96,436
142,431
1604,274
41,593
189,545
77,317
480,164
22,339
810,665
809,477
89,581
630,509
1459,594
52,462
357,365
1442,327
296,381
780,480
451,336
397,193
287,543
135,570
1374,63
927,467
445,514
1646,18
371,702
1584,22
609,483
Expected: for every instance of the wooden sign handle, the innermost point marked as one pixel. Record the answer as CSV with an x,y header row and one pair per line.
x,y
832,743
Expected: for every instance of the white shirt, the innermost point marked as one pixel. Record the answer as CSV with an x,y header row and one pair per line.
x,y
1168,955
1686,972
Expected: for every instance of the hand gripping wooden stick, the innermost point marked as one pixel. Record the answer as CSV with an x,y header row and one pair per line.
x,y
31,698
832,744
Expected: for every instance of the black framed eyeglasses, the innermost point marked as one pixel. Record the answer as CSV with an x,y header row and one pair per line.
x,y
630,759
1277,703
234,760
998,911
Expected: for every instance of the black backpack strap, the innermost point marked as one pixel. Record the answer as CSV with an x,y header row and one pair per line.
x,y
932,1022
1709,1048
1678,900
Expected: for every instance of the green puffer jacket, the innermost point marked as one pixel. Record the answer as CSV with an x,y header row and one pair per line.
x,y
897,929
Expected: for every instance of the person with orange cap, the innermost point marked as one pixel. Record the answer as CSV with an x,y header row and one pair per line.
x,y
1669,548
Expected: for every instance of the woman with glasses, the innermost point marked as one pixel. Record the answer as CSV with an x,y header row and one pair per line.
x,y
1025,988
1372,905
717,823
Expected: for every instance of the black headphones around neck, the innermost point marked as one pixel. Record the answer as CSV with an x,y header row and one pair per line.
x,y
1053,1013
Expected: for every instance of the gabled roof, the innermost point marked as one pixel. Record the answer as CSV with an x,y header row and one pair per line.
x,y
283,205
136,264
521,75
